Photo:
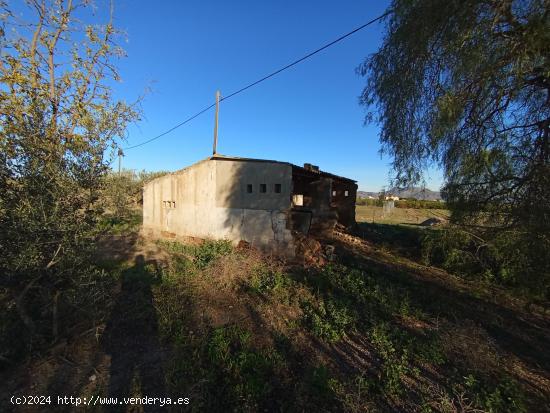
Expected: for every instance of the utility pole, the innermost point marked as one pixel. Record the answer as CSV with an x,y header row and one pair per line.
x,y
120,155
215,149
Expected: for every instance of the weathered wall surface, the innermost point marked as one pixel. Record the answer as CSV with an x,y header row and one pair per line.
x,y
212,199
234,177
343,199
179,203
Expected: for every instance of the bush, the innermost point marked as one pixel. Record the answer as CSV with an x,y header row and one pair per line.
x,y
265,279
420,204
404,203
122,193
510,258
369,202
247,370
328,319
201,255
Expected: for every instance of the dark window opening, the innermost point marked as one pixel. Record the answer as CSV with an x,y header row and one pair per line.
x,y
249,188
277,188
263,188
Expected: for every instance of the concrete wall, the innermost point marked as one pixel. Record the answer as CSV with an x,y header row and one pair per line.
x,y
211,200
234,177
191,190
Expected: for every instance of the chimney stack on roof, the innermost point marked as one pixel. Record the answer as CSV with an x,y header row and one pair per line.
x,y
310,167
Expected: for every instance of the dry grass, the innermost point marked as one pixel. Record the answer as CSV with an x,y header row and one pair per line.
x,y
414,338
367,213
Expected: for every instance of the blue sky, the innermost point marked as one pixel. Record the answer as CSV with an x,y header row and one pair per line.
x,y
183,51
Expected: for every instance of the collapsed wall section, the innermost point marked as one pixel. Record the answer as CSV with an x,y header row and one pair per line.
x,y
321,200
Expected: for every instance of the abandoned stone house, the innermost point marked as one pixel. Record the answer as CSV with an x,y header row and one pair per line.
x,y
259,201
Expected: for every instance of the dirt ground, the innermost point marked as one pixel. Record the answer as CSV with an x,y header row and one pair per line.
x,y
485,327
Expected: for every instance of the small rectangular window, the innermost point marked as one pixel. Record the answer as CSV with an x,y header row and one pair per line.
x,y
333,193
263,188
346,193
277,188
298,199
249,188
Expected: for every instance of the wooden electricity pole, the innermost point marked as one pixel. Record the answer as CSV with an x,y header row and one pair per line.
x,y
215,149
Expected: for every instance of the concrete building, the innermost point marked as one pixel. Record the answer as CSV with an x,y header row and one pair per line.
x,y
259,201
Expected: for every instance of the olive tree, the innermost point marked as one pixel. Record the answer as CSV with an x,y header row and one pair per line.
x,y
58,120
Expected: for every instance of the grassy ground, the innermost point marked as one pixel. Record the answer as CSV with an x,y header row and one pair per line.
x,y
373,214
233,330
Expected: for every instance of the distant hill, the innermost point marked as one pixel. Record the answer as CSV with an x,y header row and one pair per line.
x,y
364,194
413,192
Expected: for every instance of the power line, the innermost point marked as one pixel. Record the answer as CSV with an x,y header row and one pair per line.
x,y
307,56
173,128
326,46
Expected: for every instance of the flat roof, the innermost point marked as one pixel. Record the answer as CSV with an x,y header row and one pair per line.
x,y
309,171
219,157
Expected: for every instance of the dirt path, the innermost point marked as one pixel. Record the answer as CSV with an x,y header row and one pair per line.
x,y
125,248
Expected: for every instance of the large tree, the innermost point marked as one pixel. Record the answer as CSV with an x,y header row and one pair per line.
x,y
58,119
465,84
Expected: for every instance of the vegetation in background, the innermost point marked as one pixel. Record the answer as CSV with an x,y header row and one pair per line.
x,y
466,254
122,193
58,120
465,84
121,197
404,203
407,216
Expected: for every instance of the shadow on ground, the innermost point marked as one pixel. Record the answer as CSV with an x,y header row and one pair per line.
x,y
519,335
131,337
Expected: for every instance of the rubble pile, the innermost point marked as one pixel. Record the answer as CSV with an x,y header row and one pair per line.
x,y
309,251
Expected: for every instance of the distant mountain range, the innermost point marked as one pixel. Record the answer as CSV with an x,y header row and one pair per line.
x,y
413,192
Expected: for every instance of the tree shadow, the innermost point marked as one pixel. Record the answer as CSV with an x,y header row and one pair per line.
x,y
517,332
404,239
131,338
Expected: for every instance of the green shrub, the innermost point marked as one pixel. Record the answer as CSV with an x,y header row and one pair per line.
x,y
420,204
322,386
511,258
393,349
369,202
329,319
453,250
505,396
119,225
209,250
201,255
247,370
265,279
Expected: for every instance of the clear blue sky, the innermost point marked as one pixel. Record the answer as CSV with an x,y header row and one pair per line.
x,y
184,50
